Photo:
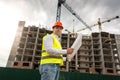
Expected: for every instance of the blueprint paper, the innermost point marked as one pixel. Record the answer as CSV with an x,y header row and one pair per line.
x,y
76,45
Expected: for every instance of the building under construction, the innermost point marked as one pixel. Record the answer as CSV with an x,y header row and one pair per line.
x,y
99,53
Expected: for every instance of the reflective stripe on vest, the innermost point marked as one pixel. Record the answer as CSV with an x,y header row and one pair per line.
x,y
47,58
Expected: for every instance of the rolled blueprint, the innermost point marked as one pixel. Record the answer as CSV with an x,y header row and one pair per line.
x,y
76,45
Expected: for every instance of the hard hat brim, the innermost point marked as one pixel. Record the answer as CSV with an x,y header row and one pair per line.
x,y
57,26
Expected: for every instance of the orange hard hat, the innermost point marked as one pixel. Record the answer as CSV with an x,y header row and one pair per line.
x,y
58,24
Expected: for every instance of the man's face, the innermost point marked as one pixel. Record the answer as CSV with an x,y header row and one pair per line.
x,y
57,30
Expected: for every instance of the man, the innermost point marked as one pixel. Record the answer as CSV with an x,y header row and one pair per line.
x,y
52,52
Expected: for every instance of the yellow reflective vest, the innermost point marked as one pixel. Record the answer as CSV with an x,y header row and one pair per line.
x,y
47,58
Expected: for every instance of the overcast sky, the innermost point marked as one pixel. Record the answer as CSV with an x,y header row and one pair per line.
x,y
43,12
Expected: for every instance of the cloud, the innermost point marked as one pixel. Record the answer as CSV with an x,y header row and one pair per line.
x,y
4,56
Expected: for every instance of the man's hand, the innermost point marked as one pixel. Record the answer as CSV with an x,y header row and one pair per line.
x,y
69,50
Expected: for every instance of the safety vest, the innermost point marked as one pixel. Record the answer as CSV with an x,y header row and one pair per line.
x,y
47,58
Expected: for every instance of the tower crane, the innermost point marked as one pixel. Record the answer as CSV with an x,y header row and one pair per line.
x,y
62,2
99,23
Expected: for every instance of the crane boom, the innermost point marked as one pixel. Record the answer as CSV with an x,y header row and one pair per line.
x,y
100,23
74,13
70,9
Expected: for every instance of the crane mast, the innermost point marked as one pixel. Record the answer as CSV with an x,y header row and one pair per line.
x,y
59,10
70,10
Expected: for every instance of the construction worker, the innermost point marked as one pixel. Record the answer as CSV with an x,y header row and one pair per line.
x,y
52,52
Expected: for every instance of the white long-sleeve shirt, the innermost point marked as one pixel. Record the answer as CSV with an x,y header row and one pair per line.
x,y
48,43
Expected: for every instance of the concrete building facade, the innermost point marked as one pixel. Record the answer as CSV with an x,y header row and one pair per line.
x,y
99,53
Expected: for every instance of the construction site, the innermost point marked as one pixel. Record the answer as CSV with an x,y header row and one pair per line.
x,y
99,53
